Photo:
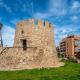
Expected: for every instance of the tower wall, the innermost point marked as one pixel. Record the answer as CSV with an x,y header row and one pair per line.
x,y
37,35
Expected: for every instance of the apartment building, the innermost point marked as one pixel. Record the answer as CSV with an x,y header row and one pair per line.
x,y
70,46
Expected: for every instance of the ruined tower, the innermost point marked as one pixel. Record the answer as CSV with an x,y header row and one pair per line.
x,y
37,35
33,47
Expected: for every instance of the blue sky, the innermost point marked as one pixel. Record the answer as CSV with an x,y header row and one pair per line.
x,y
63,14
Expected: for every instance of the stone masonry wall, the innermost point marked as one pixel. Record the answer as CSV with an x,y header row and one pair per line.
x,y
40,51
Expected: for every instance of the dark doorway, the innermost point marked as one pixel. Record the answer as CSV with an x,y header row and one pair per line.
x,y
24,43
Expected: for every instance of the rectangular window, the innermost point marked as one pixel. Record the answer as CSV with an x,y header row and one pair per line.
x,y
24,44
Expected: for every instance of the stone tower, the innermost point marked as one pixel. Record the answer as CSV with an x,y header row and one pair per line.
x,y
37,35
33,47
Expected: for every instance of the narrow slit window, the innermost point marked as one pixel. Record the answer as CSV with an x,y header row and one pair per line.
x,y
44,23
24,44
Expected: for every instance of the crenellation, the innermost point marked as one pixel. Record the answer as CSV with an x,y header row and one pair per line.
x,y
40,24
30,20
34,23
46,23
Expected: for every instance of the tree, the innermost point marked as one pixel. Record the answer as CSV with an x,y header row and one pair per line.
x,y
78,55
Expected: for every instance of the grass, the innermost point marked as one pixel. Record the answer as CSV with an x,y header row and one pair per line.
x,y
71,71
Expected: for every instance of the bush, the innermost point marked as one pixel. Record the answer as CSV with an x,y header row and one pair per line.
x,y
72,60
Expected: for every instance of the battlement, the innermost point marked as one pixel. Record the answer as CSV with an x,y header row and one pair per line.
x,y
35,23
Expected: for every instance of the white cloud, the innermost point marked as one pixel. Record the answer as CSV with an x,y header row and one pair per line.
x,y
63,32
74,19
75,4
5,6
55,8
58,7
41,15
8,35
75,7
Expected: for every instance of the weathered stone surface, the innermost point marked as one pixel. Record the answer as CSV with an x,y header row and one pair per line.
x,y
40,51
